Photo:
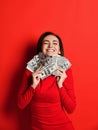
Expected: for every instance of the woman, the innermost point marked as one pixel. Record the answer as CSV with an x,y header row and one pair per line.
x,y
52,98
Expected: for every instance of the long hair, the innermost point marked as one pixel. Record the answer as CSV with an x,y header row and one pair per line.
x,y
40,40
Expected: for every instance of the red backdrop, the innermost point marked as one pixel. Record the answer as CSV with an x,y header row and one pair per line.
x,y
22,22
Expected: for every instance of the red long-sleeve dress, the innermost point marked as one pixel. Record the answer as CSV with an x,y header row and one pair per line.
x,y
48,103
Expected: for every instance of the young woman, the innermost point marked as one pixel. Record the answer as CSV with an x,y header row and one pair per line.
x,y
52,98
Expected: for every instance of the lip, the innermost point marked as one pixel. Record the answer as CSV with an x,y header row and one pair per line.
x,y
50,50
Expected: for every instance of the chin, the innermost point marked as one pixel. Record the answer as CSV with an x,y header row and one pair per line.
x,y
51,54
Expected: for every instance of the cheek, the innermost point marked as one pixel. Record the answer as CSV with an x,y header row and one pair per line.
x,y
43,48
58,49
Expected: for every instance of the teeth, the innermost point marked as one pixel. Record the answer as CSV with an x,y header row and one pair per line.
x,y
50,50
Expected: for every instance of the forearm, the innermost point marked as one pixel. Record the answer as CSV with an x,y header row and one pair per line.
x,y
24,99
68,99
26,91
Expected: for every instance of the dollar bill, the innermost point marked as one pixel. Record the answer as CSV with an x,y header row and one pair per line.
x,y
49,64
48,70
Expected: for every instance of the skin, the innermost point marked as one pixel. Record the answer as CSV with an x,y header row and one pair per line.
x,y
50,47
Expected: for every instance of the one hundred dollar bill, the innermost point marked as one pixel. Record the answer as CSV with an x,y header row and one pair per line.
x,y
49,64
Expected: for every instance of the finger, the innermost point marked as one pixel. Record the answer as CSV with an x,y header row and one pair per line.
x,y
37,74
39,68
37,77
65,75
58,73
58,78
61,69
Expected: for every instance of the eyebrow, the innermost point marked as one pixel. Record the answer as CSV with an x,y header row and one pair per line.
x,y
55,40
45,40
48,41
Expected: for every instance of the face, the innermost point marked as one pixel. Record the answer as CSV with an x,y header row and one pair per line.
x,y
50,45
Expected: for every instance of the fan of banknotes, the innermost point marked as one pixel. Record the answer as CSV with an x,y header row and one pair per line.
x,y
49,64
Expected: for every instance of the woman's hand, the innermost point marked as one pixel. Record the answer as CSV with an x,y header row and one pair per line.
x,y
36,77
61,76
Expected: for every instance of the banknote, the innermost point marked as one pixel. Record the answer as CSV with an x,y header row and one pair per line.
x,y
49,64
48,70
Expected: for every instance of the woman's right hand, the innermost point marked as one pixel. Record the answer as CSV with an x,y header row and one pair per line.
x,y
36,77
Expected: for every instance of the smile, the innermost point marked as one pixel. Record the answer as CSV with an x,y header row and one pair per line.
x,y
50,50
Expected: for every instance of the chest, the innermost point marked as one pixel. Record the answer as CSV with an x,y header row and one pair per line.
x,y
47,91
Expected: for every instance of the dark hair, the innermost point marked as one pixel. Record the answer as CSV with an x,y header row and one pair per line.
x,y
40,40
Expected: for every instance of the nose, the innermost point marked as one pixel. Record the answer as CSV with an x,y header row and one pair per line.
x,y
50,45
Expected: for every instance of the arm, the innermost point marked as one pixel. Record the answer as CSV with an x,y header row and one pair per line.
x,y
67,94
26,91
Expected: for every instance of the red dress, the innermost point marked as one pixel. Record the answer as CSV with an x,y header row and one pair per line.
x,y
48,103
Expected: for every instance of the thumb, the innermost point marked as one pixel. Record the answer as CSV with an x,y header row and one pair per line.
x,y
57,78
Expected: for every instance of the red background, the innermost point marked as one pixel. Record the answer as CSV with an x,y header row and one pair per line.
x,y
22,22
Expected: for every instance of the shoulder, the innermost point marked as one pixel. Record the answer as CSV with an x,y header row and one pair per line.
x,y
27,73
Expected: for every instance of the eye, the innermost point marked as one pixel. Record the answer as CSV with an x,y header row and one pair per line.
x,y
55,43
45,42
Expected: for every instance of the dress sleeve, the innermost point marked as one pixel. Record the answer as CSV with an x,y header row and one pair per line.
x,y
26,91
67,94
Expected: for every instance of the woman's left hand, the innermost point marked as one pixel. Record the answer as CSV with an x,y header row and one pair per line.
x,y
61,76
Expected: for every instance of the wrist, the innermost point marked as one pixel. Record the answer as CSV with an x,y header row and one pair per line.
x,y
33,86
